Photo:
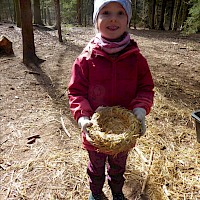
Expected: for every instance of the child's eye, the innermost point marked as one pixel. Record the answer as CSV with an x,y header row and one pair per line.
x,y
105,13
121,13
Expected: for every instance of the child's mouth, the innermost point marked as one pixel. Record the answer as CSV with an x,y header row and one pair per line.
x,y
112,28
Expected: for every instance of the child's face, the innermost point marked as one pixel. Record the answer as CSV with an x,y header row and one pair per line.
x,y
112,21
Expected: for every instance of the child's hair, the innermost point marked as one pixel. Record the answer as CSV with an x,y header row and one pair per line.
x,y
99,4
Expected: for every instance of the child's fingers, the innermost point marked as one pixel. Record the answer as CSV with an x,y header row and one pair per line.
x,y
84,128
143,127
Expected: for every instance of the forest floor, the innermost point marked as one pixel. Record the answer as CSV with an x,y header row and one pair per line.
x,y
38,160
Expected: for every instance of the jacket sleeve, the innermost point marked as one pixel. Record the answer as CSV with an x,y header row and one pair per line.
x,y
78,90
145,85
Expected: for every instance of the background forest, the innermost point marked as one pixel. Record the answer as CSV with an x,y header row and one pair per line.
x,y
153,14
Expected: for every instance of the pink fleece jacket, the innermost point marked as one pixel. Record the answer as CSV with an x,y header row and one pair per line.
x,y
100,80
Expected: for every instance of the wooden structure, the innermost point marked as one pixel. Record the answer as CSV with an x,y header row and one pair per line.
x,y
5,46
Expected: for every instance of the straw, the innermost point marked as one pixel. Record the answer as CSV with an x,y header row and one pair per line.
x,y
114,130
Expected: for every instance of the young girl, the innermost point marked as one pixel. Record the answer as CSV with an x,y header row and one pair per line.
x,y
110,71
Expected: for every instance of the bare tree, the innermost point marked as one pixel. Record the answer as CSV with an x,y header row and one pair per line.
x,y
183,13
29,55
17,13
58,19
37,12
171,14
176,14
153,14
163,6
79,12
135,14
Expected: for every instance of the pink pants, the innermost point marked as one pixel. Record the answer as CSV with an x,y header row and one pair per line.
x,y
96,170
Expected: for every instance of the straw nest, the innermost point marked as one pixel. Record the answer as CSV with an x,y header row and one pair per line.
x,y
114,130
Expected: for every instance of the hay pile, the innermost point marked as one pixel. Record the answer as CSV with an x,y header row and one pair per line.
x,y
174,172
54,167
114,130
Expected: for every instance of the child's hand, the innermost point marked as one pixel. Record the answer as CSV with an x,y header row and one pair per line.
x,y
83,123
140,114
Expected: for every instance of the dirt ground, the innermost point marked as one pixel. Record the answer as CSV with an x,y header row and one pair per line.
x,y
38,160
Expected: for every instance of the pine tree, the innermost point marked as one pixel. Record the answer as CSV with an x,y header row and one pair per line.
x,y
192,24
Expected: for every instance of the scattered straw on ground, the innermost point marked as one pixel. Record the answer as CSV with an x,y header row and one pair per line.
x,y
54,165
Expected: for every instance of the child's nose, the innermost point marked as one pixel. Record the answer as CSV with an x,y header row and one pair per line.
x,y
113,17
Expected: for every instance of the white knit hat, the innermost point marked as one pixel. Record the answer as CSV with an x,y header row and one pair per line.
x,y
99,4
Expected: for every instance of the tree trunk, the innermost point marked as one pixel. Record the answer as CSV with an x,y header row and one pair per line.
x,y
135,14
43,12
183,13
157,14
29,55
162,18
149,14
58,19
171,14
176,14
79,12
37,12
153,14
17,13
1,10
48,16
5,14
10,11
84,13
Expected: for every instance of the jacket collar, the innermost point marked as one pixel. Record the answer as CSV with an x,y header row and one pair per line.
x,y
94,50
